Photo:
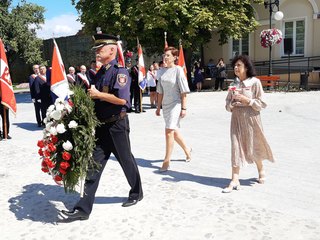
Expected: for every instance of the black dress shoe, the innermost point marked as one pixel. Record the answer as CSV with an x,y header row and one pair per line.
x,y
131,201
75,214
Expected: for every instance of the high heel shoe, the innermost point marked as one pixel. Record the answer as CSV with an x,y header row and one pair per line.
x,y
164,169
232,186
262,177
188,159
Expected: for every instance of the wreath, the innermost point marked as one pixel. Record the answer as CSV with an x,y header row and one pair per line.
x,y
68,139
269,37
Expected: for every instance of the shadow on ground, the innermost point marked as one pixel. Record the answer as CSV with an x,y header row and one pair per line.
x,y
36,202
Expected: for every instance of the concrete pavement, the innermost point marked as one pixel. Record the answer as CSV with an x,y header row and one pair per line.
x,y
185,202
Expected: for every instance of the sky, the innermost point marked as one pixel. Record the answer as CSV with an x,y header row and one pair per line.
x,y
60,18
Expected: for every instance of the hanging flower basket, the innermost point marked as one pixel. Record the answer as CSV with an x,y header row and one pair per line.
x,y
269,37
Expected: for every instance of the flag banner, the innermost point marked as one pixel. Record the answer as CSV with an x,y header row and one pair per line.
x,y
142,69
59,82
120,54
7,95
181,61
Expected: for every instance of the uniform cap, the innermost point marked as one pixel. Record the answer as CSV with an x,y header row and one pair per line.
x,y
103,39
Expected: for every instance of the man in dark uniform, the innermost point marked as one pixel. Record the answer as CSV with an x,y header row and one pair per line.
x,y
137,95
112,99
35,93
42,91
128,67
92,71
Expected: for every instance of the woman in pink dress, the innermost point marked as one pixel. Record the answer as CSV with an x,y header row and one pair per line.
x,y
245,101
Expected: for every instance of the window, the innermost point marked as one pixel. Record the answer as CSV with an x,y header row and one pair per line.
x,y
296,30
240,46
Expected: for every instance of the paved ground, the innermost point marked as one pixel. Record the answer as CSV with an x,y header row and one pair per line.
x,y
185,202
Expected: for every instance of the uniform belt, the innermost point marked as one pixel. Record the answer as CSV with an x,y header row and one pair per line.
x,y
114,118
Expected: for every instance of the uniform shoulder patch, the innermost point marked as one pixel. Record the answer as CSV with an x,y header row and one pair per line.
x,y
122,79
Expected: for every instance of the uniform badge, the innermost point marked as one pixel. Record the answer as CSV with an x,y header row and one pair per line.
x,y
122,79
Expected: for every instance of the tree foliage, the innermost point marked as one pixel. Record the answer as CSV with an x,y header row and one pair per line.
x,y
18,27
193,21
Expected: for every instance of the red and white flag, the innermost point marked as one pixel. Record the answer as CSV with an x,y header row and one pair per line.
x,y
59,82
181,61
142,70
120,54
7,95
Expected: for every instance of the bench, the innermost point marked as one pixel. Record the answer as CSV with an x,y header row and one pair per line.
x,y
269,81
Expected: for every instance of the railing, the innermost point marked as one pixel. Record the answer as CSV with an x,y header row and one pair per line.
x,y
281,66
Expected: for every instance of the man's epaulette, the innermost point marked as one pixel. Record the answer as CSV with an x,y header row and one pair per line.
x,y
118,66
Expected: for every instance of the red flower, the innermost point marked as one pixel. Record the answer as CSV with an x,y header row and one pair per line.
x,y
40,152
58,179
49,163
64,165
66,156
54,139
45,169
62,171
46,153
40,144
52,147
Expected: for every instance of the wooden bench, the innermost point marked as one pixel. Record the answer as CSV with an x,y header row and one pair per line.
x,y
269,81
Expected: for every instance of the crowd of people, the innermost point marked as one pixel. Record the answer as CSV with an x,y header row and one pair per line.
x,y
113,89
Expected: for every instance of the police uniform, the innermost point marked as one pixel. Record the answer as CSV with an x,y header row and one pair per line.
x,y
112,135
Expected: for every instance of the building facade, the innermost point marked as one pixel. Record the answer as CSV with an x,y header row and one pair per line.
x,y
301,23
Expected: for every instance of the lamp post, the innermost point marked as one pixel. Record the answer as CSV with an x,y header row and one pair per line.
x,y
277,16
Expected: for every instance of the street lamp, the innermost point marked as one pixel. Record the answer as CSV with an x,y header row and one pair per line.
x,y
277,16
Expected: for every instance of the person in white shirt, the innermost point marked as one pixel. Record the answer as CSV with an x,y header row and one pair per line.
x,y
152,85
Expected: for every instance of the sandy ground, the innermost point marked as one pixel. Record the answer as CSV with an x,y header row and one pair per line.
x,y
185,202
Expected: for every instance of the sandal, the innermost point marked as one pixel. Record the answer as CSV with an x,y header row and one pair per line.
x,y
262,177
232,186
188,159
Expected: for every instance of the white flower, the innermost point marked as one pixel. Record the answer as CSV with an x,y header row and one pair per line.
x,y
50,108
45,121
67,146
53,131
60,128
58,101
48,126
59,107
73,124
56,115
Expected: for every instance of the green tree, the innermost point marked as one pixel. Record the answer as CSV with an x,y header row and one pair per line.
x,y
18,27
193,21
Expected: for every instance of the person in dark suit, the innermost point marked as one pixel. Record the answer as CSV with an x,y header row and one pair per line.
x,y
42,91
111,94
135,88
7,122
34,93
82,78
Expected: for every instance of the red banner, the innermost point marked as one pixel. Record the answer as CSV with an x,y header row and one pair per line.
x,y
6,90
181,61
120,54
59,82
